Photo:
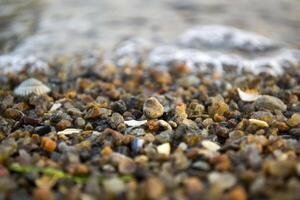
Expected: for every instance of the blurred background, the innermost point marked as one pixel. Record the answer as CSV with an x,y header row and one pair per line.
x,y
66,26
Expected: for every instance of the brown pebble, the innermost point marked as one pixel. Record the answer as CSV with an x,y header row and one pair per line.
x,y
126,166
78,169
43,194
237,193
153,188
48,145
13,113
106,151
152,108
63,124
193,186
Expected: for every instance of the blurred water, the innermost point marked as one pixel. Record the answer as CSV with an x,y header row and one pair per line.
x,y
50,27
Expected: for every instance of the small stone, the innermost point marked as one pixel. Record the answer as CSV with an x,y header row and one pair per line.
x,y
43,193
282,168
78,169
269,103
74,112
218,106
295,132
153,188
126,166
164,125
180,161
42,130
95,112
106,151
92,113
79,122
30,121
207,122
114,186
195,110
48,145
180,113
211,146
193,186
164,149
63,124
201,165
237,193
223,180
294,120
259,123
137,144
266,116
119,106
153,108
13,113
164,137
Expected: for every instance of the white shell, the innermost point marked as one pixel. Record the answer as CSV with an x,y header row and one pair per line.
x,y
135,123
247,97
69,131
31,86
55,107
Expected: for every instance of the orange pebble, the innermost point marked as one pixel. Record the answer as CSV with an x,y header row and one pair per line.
x,y
48,144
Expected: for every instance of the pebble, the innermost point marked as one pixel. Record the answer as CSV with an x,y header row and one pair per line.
x,y
164,125
294,120
237,193
126,166
201,165
269,103
48,145
64,124
193,186
74,112
119,106
164,137
43,194
195,110
211,146
153,188
13,113
42,130
114,186
164,149
259,123
79,122
152,108
137,144
116,120
224,180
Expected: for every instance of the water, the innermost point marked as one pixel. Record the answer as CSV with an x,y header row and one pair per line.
x,y
52,27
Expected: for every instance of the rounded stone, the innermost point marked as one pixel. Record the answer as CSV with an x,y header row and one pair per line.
x,y
152,108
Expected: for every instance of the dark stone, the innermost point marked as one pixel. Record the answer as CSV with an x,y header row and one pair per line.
x,y
42,130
